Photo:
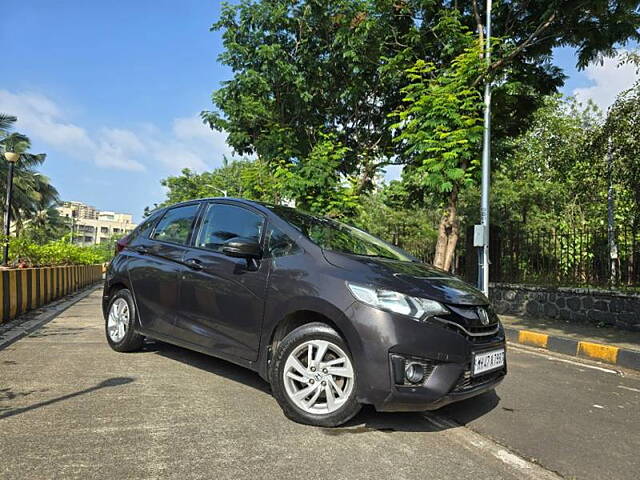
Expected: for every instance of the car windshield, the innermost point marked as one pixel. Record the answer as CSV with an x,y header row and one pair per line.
x,y
337,236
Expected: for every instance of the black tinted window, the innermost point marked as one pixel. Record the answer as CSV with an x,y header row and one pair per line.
x,y
175,226
280,244
143,230
223,222
333,235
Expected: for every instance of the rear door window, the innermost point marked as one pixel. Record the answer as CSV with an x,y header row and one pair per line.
x,y
175,225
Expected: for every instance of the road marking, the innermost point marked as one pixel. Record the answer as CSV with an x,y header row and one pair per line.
x,y
629,388
564,360
472,440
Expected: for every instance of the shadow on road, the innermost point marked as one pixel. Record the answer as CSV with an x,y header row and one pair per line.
x,y
7,394
370,420
209,364
469,410
367,420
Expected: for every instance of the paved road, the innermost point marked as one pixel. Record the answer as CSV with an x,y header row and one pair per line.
x,y
72,408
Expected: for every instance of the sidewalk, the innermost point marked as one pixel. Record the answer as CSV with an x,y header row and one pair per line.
x,y
605,344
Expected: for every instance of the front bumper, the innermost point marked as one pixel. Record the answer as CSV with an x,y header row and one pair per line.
x,y
430,397
445,352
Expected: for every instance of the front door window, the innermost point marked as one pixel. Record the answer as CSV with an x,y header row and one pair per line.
x,y
224,222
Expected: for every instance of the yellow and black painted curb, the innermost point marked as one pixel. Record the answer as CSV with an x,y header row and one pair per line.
x,y
25,289
578,348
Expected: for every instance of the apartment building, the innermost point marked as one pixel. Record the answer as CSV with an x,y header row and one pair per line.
x,y
91,226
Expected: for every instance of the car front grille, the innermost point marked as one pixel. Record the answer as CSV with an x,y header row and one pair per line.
x,y
467,382
466,322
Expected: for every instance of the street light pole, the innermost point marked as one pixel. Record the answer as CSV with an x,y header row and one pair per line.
x,y
483,240
224,192
12,159
611,220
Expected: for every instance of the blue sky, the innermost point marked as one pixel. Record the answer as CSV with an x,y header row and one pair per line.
x,y
111,91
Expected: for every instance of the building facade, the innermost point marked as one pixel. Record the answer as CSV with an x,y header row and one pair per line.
x,y
91,226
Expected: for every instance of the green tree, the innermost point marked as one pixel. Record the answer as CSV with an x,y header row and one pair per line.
x,y
552,177
238,178
388,213
308,70
621,130
32,190
620,134
314,184
46,225
439,130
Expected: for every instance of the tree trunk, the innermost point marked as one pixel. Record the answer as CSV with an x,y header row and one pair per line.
x,y
448,233
366,180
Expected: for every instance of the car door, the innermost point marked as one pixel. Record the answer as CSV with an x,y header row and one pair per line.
x,y
222,298
154,270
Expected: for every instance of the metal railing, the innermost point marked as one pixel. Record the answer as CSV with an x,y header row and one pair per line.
x,y
579,257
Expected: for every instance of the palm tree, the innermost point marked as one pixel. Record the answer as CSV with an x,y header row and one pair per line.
x,y
33,191
47,225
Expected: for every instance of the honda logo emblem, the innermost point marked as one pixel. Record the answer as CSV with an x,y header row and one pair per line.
x,y
484,316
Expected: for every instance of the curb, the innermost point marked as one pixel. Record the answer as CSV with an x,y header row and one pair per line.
x,y
594,351
23,329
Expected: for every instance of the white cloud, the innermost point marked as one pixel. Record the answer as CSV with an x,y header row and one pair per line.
x,y
42,119
189,144
116,148
609,78
191,130
187,128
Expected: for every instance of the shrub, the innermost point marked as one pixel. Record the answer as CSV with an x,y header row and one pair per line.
x,y
25,253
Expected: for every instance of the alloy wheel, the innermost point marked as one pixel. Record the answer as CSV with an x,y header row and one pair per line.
x,y
318,377
118,320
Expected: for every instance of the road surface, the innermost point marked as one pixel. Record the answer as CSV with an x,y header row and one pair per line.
x,y
70,407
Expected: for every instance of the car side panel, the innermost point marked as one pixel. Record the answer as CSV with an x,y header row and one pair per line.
x,y
305,282
221,305
154,278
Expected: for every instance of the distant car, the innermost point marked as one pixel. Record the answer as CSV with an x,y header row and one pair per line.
x,y
331,316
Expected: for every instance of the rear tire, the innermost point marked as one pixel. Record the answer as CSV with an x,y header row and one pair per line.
x,y
120,321
313,377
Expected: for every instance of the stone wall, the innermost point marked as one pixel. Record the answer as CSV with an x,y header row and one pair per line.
x,y
598,307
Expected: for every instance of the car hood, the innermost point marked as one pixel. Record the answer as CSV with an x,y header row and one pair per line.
x,y
411,278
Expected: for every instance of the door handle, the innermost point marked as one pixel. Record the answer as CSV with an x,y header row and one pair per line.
x,y
193,263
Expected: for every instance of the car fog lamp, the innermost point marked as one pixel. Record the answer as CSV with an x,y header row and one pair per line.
x,y
414,372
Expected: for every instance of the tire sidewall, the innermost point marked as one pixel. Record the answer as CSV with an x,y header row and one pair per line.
x,y
314,331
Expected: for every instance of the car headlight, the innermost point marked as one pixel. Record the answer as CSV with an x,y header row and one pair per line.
x,y
418,308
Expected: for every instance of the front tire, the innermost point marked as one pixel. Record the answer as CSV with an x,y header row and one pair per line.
x,y
313,377
120,321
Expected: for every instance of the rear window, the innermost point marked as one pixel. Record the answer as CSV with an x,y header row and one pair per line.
x,y
175,225
143,230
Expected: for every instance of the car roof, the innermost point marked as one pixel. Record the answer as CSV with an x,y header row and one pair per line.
x,y
243,201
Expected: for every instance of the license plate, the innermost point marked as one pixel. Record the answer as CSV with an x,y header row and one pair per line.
x,y
487,361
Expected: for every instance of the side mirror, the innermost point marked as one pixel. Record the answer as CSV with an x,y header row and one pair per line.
x,y
241,247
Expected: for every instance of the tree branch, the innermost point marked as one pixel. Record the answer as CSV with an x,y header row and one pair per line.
x,y
516,51
542,27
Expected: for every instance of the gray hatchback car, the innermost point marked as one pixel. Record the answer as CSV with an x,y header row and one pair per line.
x,y
331,316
